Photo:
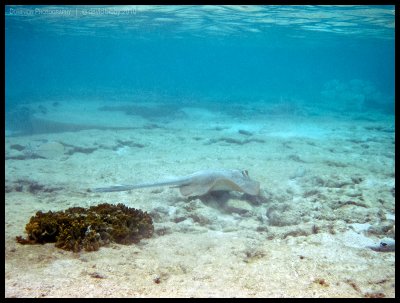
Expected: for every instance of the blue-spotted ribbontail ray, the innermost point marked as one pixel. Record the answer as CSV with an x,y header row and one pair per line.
x,y
201,183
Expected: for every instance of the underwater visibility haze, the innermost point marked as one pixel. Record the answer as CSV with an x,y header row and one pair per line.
x,y
275,123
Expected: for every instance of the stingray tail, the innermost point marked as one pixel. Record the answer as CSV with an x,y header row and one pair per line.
x,y
173,183
113,188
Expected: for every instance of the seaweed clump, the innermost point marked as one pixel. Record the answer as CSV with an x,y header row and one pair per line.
x,y
80,228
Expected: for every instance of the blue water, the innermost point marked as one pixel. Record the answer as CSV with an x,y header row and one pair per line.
x,y
300,99
223,54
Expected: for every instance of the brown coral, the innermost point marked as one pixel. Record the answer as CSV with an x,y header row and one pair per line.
x,y
80,228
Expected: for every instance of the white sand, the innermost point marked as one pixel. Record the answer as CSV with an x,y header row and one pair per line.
x,y
332,173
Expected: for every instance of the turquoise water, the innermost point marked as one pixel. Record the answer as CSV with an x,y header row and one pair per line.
x,y
181,105
323,56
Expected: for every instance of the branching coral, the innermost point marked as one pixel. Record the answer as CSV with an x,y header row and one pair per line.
x,y
80,228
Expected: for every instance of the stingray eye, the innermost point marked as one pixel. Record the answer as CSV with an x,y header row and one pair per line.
x,y
245,173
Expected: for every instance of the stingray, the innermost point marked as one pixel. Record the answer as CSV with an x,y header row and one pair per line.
x,y
385,245
201,183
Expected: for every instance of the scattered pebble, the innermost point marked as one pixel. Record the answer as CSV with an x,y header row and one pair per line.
x,y
245,132
97,275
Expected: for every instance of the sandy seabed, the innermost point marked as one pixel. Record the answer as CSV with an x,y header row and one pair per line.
x,y
327,192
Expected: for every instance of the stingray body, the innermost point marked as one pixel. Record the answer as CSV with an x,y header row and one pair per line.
x,y
201,183
385,245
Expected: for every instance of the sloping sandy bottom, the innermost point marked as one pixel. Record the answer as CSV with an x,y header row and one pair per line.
x,y
327,193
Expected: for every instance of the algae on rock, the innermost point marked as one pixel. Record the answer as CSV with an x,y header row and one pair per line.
x,y
80,228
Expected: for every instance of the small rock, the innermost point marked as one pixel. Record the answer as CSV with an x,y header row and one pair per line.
x,y
300,172
157,279
281,216
15,154
50,150
238,206
200,219
353,193
245,132
97,275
